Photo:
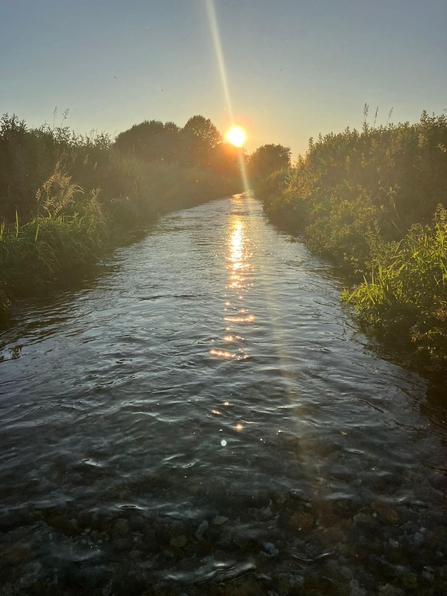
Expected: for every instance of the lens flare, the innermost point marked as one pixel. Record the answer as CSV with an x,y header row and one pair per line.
x,y
211,12
236,136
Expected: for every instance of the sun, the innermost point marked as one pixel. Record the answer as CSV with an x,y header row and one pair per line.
x,y
236,136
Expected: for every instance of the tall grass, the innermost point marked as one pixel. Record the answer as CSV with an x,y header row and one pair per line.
x,y
405,294
36,253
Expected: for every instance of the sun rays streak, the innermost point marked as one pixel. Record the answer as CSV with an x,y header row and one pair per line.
x,y
214,28
211,13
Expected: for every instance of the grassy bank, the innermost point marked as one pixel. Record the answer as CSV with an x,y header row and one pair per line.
x,y
65,199
373,201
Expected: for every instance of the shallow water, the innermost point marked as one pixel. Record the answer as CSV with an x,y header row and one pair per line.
x,y
205,418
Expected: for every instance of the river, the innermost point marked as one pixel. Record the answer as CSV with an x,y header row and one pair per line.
x,y
203,417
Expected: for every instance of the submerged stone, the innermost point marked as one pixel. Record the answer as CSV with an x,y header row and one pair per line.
x,y
220,519
179,541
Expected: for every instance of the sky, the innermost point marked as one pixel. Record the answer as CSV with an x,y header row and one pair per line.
x,y
294,68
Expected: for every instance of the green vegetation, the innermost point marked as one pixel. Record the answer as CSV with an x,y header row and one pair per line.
x,y
267,160
374,202
66,198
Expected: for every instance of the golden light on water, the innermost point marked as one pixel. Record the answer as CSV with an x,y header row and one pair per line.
x,y
236,244
222,354
236,135
232,319
237,256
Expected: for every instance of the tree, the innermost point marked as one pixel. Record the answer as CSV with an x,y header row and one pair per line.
x,y
266,160
199,140
152,141
203,129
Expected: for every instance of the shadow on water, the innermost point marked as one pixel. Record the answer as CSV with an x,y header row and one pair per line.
x,y
431,400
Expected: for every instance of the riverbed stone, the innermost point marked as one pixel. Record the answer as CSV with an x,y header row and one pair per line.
x,y
18,555
408,580
346,572
386,512
179,541
418,539
356,589
389,590
121,527
364,517
301,520
428,573
266,513
136,522
271,549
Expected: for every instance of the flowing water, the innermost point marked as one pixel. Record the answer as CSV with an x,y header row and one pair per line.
x,y
204,418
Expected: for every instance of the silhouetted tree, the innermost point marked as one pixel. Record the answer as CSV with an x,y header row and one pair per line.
x,y
203,129
267,159
150,140
198,145
199,138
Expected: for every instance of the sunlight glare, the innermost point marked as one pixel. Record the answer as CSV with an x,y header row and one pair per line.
x,y
237,243
212,19
236,135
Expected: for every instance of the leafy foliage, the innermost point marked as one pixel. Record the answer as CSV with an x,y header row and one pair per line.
x,y
366,201
266,160
405,294
197,144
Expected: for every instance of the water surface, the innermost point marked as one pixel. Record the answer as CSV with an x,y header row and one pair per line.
x,y
205,416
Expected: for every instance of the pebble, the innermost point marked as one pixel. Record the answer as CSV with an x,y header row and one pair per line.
x,y
387,512
356,590
74,524
429,574
121,527
20,554
302,521
346,572
418,539
271,549
179,541
201,530
393,543
266,514
363,518
389,590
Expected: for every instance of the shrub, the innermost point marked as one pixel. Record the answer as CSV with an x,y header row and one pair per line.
x,y
405,295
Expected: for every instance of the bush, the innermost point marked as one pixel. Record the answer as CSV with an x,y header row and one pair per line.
x,y
405,295
366,200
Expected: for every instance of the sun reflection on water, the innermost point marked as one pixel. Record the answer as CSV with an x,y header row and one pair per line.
x,y
236,243
238,264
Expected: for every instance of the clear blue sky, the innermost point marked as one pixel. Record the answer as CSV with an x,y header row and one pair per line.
x,y
295,67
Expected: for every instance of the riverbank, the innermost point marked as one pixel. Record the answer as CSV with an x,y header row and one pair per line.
x,y
67,200
374,203
39,254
